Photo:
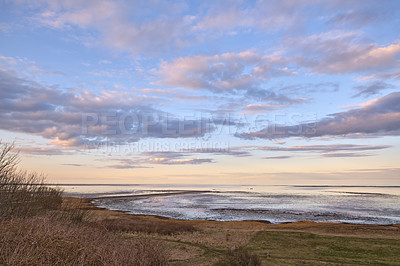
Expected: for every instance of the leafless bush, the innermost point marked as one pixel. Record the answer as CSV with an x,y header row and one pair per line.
x,y
23,193
73,209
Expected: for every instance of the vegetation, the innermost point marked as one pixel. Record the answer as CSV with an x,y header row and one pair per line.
x,y
44,240
39,227
239,257
300,247
23,193
149,227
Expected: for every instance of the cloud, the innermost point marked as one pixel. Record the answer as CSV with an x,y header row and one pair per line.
x,y
43,150
338,52
73,164
372,89
347,154
167,155
311,88
120,25
159,157
125,163
380,116
260,108
268,16
124,166
181,161
248,72
245,151
161,26
84,119
353,18
278,157
331,148
278,15
22,64
395,74
243,73
234,151
221,73
358,14
173,158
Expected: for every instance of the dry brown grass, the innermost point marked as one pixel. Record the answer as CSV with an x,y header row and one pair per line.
x,y
42,240
150,227
239,257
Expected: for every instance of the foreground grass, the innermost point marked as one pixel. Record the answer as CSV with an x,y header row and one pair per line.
x,y
297,247
282,248
44,240
39,227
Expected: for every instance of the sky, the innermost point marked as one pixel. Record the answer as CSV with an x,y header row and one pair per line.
x,y
203,92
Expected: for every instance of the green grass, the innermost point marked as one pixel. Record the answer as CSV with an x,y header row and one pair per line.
x,y
298,248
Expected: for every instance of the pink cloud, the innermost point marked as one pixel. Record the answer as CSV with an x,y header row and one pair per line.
x,y
227,72
380,116
343,52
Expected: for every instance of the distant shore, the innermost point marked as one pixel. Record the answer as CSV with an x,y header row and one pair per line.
x,y
150,194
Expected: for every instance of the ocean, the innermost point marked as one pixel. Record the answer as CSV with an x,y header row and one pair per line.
x,y
274,204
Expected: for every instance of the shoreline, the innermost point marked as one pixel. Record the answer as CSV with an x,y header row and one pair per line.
x,y
391,231
183,192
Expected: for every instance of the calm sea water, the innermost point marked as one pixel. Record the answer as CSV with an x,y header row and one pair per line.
x,y
276,204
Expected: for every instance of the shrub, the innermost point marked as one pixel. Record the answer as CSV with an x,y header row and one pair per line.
x,y
74,209
23,193
239,257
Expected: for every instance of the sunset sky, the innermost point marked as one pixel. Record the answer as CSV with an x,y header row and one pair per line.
x,y
203,92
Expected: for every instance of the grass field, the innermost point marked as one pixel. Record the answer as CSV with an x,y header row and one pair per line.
x,y
298,248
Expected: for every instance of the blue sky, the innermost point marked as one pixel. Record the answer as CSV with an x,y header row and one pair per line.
x,y
242,92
